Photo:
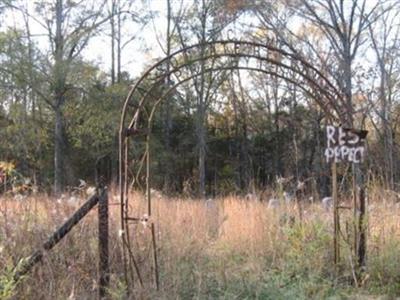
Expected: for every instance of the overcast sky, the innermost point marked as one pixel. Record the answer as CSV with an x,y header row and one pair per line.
x,y
135,56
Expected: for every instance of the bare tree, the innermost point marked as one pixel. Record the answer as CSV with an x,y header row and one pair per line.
x,y
204,26
343,24
123,14
69,27
385,43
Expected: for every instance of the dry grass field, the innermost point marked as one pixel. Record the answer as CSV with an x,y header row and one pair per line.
x,y
231,249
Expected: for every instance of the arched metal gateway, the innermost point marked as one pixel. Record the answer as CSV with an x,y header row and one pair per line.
x,y
184,65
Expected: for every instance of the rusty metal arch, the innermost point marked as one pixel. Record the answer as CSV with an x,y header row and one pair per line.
x,y
311,81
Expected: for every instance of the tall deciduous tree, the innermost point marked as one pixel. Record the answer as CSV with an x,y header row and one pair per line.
x,y
344,24
385,42
69,26
202,25
123,14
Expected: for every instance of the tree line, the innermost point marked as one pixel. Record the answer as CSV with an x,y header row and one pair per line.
x,y
231,131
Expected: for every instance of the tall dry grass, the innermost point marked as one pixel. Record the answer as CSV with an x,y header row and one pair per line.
x,y
227,249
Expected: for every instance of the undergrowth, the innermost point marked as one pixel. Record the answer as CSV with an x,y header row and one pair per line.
x,y
236,250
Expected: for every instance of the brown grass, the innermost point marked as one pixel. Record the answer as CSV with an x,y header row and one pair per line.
x,y
232,249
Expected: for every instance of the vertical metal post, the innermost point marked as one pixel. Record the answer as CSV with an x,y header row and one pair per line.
x,y
336,246
122,176
126,237
155,258
362,244
355,209
104,272
360,219
148,194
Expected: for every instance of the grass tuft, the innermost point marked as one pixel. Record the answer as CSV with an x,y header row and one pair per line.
x,y
233,249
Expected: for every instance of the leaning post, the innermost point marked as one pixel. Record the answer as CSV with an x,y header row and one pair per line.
x,y
53,240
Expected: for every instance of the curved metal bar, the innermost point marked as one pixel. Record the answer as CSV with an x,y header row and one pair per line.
x,y
295,56
237,55
328,113
223,43
164,95
151,115
310,76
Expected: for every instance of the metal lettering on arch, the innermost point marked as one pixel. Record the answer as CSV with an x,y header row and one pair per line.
x,y
136,121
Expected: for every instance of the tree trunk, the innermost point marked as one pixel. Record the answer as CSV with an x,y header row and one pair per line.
x,y
119,49
59,147
277,140
201,114
202,159
347,85
112,23
245,159
168,181
59,99
386,126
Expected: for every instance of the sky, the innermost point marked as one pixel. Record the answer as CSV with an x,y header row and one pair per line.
x,y
139,53
136,55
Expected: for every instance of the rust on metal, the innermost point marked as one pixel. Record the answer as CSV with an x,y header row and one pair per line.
x,y
362,244
150,90
100,198
135,132
104,269
57,236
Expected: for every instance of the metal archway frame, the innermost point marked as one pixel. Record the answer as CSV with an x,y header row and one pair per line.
x,y
310,80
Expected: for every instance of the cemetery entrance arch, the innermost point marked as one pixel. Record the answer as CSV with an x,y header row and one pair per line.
x,y
182,66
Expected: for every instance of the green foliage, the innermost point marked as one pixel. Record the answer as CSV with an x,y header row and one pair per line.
x,y
256,128
383,268
7,284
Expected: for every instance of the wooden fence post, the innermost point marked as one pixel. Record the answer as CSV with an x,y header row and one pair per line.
x,y
104,271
